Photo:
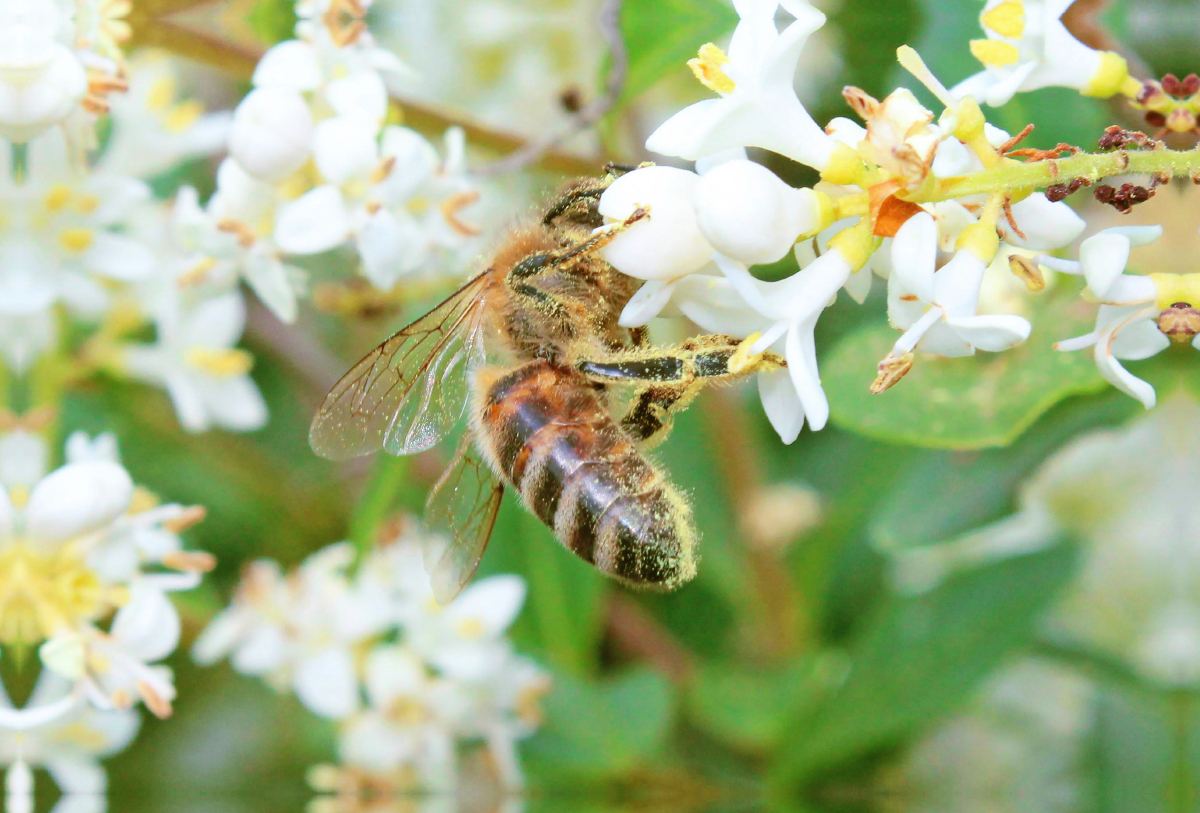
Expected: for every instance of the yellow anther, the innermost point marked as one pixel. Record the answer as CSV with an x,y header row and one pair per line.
x,y
182,116
1111,78
197,273
161,93
222,363
76,240
995,53
742,359
143,500
1006,19
707,68
86,204
192,515
1027,271
57,198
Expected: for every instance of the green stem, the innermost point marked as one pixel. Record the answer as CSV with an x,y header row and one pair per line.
x,y
1014,177
378,502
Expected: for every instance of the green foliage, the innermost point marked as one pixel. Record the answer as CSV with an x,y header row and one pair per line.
x,y
603,730
920,656
970,403
272,21
662,35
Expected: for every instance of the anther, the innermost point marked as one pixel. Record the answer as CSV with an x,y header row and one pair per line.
x,y
891,370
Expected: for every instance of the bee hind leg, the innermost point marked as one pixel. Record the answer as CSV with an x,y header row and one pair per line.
x,y
670,378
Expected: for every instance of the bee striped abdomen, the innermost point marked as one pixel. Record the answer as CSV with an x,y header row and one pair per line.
x,y
549,435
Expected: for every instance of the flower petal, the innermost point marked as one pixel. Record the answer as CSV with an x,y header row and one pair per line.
x,y
76,499
326,683
316,221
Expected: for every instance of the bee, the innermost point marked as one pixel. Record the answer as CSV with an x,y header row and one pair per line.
x,y
532,349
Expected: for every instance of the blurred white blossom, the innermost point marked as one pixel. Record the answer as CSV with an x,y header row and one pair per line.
x,y
407,680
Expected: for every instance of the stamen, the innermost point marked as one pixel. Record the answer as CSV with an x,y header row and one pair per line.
x,y
1027,271
1006,19
190,516
994,53
891,370
911,61
707,68
450,208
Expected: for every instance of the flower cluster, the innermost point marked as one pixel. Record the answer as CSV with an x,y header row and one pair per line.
x,y
407,680
886,206
314,164
87,563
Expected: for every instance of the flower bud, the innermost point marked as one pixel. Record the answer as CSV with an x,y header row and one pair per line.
x,y
666,244
33,100
272,133
747,213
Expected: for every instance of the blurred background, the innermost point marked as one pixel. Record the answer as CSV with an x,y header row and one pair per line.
x,y
874,625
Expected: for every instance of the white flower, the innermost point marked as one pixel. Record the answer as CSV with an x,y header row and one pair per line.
x,y
272,133
938,308
42,80
71,552
69,747
465,639
758,105
1103,258
1028,47
667,244
372,191
1126,332
303,632
63,239
747,213
1126,324
230,237
347,79
153,130
409,721
195,360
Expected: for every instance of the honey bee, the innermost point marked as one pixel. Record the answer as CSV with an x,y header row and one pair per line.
x,y
533,346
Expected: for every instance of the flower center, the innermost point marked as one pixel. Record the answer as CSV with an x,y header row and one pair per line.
x,y
707,66
42,593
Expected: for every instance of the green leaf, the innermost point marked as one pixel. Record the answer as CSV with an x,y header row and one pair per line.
x,y
967,403
944,494
272,21
602,730
662,35
748,708
870,32
922,655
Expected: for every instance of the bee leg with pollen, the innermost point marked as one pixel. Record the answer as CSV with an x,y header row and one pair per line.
x,y
671,377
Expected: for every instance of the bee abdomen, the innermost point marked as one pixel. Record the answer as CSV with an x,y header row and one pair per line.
x,y
579,473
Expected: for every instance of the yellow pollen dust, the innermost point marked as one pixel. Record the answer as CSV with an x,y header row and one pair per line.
x,y
470,628
1006,19
161,93
407,711
57,198
77,240
182,116
222,363
994,53
41,593
707,68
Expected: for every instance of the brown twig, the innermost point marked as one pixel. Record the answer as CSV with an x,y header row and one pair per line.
x,y
155,24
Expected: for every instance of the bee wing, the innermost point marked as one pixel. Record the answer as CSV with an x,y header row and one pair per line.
x,y
408,392
462,506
